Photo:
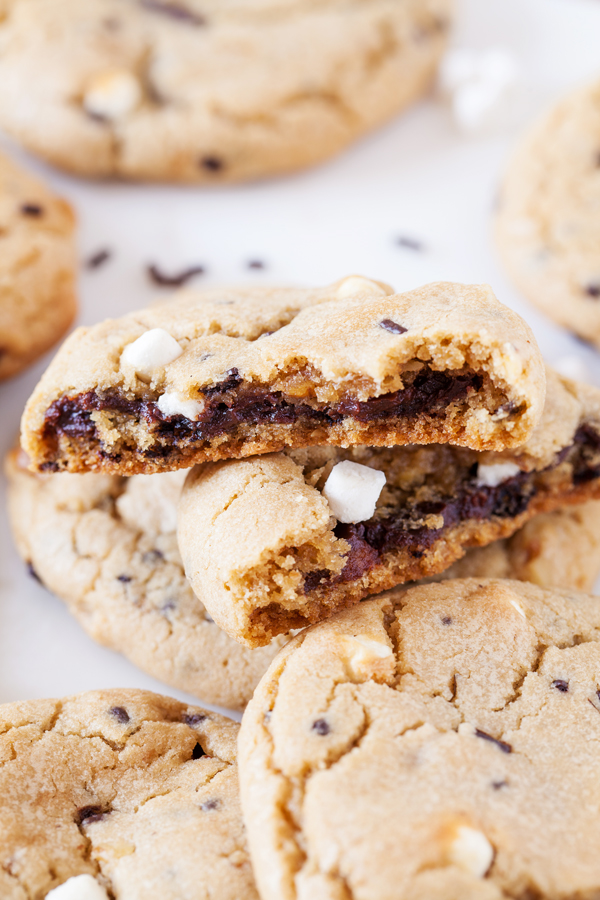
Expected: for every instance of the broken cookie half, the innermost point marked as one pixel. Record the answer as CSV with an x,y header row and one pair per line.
x,y
281,541
233,373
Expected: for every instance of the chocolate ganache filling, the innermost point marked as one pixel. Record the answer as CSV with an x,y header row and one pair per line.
x,y
234,402
370,540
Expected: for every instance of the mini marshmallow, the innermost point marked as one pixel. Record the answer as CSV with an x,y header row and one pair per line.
x,y
355,285
572,367
494,474
477,84
112,94
471,851
352,491
153,350
80,887
173,405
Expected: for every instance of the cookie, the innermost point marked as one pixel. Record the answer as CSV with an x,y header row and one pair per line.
x,y
548,221
37,268
268,548
183,90
440,743
134,790
233,373
107,547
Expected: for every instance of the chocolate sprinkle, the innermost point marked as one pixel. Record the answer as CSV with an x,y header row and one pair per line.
x,y
212,163
98,259
256,264
173,11
178,280
120,714
32,209
321,727
502,745
124,578
410,243
560,685
88,814
193,719
593,290
388,325
198,752
208,805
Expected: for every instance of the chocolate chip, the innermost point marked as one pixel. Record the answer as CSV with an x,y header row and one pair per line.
x,y
197,752
593,290
502,745
124,578
31,572
256,264
410,243
98,259
321,727
212,163
208,805
120,714
88,814
32,209
560,685
193,719
388,325
173,11
446,620
497,785
177,280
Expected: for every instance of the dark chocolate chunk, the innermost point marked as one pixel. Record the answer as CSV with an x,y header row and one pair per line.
x,y
193,719
446,620
560,685
98,259
593,290
208,805
313,579
321,727
88,814
177,280
32,573
212,163
256,264
173,11
502,745
32,209
198,752
388,325
120,714
410,243
124,578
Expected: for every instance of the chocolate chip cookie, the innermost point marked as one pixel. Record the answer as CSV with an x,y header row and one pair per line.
x,y
107,547
137,791
440,743
37,268
209,91
548,221
302,557
233,373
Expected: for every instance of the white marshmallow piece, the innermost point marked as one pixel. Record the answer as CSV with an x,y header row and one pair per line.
x,y
113,94
471,851
478,86
171,404
153,350
356,285
572,367
80,887
494,474
352,491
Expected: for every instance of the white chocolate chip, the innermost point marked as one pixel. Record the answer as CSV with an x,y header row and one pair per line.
x,y
80,887
518,608
172,405
572,367
494,474
153,350
478,86
355,285
352,491
366,655
471,851
112,94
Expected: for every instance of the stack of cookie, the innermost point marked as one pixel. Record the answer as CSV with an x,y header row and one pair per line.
x,y
342,441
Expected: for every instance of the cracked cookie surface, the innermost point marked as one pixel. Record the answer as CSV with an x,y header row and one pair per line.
x,y
548,221
440,742
237,372
298,564
107,547
133,788
183,90
37,268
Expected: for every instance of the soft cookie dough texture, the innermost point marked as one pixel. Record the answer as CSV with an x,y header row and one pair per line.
x,y
441,743
264,368
548,221
137,790
297,564
209,90
37,268
107,547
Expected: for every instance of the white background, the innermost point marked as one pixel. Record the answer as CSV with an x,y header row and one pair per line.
x,y
417,177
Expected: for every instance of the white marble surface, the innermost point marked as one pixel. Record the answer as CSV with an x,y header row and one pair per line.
x,y
417,178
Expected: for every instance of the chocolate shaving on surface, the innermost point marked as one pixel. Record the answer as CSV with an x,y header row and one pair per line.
x,y
502,745
177,280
